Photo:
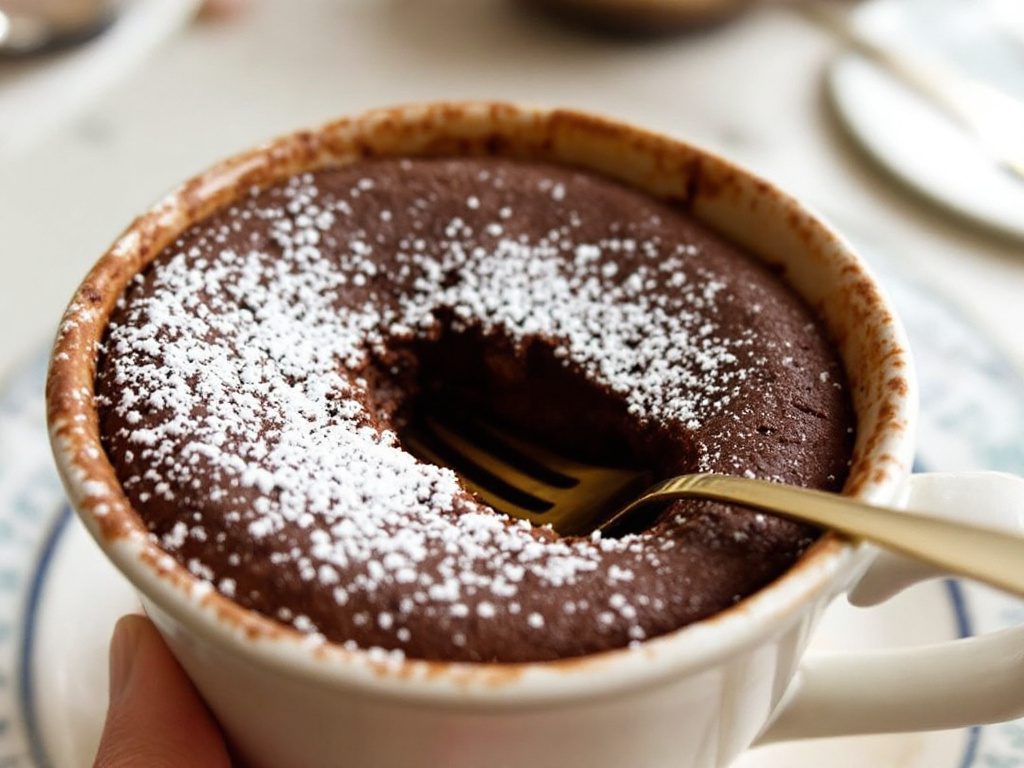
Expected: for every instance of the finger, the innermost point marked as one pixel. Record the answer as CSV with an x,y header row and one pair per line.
x,y
155,718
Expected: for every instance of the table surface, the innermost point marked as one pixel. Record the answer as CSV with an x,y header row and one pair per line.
x,y
752,89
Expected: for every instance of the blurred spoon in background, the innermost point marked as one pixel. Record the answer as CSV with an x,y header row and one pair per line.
x,y
39,94
29,27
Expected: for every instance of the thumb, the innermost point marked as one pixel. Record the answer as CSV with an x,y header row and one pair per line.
x,y
155,718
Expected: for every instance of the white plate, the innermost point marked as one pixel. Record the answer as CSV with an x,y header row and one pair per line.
x,y
59,598
912,138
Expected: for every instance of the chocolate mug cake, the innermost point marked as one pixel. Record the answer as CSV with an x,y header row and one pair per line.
x,y
256,376
539,339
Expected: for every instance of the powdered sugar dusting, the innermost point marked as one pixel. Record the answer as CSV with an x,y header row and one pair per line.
x,y
241,365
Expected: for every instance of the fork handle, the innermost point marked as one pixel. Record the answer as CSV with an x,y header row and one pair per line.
x,y
985,554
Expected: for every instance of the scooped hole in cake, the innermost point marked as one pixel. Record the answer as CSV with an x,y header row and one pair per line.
x,y
503,399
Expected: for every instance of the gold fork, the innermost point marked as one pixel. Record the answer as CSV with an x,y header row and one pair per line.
x,y
528,481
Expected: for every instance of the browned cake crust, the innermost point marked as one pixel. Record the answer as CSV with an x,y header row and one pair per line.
x,y
255,378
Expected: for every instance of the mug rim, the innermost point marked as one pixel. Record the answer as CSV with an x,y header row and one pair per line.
x,y
663,166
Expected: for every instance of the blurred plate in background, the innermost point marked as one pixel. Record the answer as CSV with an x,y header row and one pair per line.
x,y
910,137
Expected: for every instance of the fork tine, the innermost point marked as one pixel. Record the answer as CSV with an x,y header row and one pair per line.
x,y
494,464
519,477
497,483
553,463
595,492
422,449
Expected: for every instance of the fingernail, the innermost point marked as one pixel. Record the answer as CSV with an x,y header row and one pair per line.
x,y
123,647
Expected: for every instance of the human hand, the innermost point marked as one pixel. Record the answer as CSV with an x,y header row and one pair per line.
x,y
155,718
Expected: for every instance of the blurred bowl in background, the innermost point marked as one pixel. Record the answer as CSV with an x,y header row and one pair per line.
x,y
640,18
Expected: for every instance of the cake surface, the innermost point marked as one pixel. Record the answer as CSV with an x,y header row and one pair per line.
x,y
255,379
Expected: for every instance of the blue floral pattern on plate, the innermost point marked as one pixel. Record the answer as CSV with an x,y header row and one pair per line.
x,y
31,501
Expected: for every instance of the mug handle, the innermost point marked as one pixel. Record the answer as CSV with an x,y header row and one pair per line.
x,y
953,684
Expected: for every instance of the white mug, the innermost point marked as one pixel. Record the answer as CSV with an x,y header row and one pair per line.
x,y
695,697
